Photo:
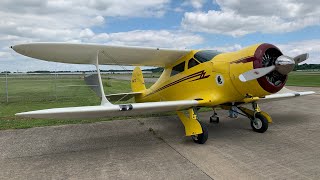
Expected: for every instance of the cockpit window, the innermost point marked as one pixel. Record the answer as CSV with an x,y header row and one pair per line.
x,y
178,69
206,55
192,62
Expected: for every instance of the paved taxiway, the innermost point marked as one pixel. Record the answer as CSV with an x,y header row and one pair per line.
x,y
155,148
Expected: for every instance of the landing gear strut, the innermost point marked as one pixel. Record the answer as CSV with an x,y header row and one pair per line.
x,y
194,128
259,122
258,119
214,118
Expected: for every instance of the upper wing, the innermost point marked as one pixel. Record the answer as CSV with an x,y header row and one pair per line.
x,y
113,55
284,93
110,110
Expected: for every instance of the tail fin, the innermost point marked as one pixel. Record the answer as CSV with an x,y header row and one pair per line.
x,y
137,81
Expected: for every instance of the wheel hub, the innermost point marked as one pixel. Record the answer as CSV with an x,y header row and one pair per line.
x,y
257,123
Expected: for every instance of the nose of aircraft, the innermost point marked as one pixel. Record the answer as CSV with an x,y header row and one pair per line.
x,y
284,64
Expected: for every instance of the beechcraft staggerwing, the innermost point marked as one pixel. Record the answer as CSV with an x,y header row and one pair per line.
x,y
191,79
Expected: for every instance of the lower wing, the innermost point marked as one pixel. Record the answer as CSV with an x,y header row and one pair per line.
x,y
284,93
110,110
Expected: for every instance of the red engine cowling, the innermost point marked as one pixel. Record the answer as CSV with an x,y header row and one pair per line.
x,y
265,56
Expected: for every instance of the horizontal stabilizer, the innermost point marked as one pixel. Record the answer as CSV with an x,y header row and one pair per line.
x,y
110,110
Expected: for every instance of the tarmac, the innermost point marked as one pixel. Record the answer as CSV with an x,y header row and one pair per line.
x,y
156,148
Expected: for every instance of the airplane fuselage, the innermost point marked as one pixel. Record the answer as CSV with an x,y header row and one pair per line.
x,y
213,81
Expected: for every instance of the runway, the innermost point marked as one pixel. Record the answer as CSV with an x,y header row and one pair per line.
x,y
156,148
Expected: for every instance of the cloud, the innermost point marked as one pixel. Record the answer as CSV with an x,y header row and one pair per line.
x,y
150,38
129,8
75,21
197,4
238,18
228,48
308,46
64,20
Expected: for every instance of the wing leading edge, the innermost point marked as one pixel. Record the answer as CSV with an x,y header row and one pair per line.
x,y
110,110
284,93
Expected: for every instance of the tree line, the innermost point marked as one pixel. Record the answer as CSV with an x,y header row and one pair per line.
x,y
159,69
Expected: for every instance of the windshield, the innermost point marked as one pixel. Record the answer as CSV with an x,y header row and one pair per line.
x,y
206,55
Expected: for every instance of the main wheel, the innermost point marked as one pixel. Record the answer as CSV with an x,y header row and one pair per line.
x,y
201,138
260,123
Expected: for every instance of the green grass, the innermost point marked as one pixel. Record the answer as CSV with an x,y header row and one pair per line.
x,y
34,92
27,93
300,78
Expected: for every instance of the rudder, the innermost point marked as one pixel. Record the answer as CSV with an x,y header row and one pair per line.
x,y
137,80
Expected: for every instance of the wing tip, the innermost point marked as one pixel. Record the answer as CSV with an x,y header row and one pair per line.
x,y
22,114
307,93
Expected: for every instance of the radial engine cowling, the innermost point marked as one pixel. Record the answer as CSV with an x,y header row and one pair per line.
x,y
253,58
266,55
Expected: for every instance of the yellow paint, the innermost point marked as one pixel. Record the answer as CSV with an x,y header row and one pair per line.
x,y
249,100
232,90
206,90
267,116
191,124
137,81
250,113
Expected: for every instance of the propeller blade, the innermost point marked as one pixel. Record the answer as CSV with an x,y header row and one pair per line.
x,y
255,73
300,58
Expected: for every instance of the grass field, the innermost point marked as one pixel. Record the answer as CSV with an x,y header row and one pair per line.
x,y
34,92
299,78
27,93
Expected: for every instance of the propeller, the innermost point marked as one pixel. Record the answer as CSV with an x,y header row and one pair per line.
x,y
283,65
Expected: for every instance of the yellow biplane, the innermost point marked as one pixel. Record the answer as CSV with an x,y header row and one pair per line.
x,y
191,79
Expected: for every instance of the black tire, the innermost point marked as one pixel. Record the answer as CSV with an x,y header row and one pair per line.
x,y
201,138
262,124
214,120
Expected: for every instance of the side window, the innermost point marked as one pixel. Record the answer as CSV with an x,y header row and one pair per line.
x,y
177,69
192,62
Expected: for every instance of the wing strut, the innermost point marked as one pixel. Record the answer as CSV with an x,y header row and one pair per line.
x,y
104,100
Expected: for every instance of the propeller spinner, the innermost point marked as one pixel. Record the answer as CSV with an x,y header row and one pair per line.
x,y
283,65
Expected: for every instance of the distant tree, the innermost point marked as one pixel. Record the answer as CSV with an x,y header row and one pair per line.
x,y
307,67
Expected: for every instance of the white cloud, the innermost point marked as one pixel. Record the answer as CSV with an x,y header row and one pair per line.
x,y
197,4
227,48
130,8
73,21
238,18
279,8
308,46
86,33
162,38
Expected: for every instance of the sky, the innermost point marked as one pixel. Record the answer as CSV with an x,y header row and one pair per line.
x,y
224,25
